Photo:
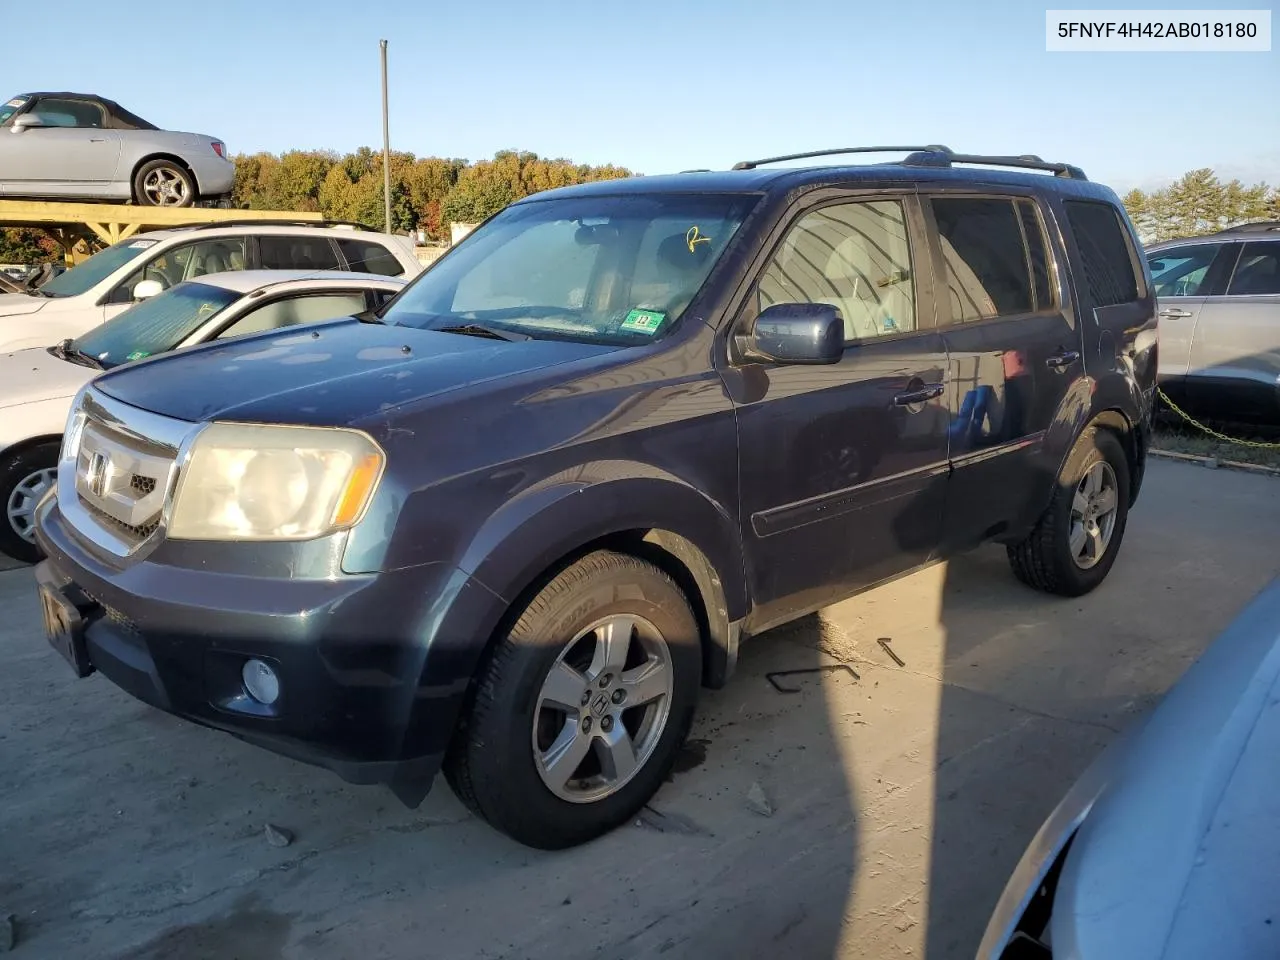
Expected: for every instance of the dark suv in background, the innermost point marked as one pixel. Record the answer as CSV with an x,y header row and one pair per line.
x,y
514,524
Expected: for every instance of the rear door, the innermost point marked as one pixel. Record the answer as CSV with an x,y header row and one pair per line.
x,y
1013,350
1234,370
1184,276
843,466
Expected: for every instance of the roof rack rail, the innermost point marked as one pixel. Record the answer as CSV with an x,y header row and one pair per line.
x,y
752,164
1258,226
269,222
1026,161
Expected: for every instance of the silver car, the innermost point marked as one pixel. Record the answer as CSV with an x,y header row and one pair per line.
x,y
1220,322
1169,845
84,147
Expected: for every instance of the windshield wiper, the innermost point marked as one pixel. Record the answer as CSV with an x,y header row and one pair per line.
x,y
480,330
64,351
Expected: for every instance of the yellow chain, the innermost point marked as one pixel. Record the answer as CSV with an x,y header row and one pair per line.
x,y
1257,444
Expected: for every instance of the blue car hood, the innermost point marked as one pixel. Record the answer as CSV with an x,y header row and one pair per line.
x,y
334,373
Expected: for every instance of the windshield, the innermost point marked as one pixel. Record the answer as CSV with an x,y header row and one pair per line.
x,y
616,270
7,110
155,325
97,268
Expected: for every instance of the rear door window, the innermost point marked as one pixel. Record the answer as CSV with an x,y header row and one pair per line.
x,y
363,256
297,253
1257,272
985,253
1109,269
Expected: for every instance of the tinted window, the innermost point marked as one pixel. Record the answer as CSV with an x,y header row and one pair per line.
x,y
10,107
1181,271
1037,253
68,113
854,256
602,269
297,253
365,257
987,262
185,262
1258,271
287,312
157,324
1108,267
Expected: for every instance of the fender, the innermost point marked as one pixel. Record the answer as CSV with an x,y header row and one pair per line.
x,y
554,518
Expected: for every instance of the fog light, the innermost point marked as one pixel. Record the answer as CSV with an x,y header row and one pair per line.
x,y
261,682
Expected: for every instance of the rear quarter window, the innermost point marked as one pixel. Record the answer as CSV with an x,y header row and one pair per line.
x,y
1110,274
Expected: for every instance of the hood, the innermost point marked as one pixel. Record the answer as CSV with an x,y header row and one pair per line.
x,y
326,374
32,375
20,304
1178,857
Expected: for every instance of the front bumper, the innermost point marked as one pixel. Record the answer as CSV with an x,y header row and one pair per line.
x,y
371,687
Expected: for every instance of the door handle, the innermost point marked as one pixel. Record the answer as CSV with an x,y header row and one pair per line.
x,y
928,391
97,139
1174,313
1060,360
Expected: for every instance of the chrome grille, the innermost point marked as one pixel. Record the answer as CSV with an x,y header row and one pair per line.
x,y
116,472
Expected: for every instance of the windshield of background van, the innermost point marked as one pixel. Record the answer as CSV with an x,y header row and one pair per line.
x,y
155,325
85,276
613,270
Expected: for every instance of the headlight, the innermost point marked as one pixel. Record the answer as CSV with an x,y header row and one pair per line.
x,y
259,482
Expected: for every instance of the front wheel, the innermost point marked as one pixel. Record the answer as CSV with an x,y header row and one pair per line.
x,y
1074,544
163,183
583,705
25,477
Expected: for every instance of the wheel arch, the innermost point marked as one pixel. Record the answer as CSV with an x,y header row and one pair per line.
x,y
653,517
1133,441
161,155
25,444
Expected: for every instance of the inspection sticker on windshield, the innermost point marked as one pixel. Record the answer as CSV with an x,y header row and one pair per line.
x,y
16,102
142,244
643,321
138,355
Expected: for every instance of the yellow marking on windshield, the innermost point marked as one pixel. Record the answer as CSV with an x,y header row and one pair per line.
x,y
695,237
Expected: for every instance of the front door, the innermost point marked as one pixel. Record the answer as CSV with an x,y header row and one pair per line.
x,y
72,154
1014,354
1183,277
843,466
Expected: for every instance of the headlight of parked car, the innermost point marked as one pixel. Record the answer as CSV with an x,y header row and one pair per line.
x,y
260,482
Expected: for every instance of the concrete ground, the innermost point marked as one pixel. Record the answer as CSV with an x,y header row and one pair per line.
x,y
901,799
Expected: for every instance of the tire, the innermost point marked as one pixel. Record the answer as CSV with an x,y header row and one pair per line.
x,y
22,478
1047,559
164,183
510,734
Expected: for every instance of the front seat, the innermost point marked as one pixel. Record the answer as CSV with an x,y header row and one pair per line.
x,y
213,261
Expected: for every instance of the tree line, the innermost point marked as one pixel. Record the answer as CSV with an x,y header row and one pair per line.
x,y
427,193
430,193
1198,203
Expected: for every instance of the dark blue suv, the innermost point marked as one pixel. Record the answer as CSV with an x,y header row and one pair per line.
x,y
512,524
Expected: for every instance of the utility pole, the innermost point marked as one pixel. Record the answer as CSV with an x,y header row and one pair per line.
x,y
386,143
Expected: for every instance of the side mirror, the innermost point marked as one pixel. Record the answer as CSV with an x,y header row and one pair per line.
x,y
147,288
808,333
26,122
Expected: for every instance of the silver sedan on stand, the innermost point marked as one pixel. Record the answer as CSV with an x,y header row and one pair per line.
x,y
79,146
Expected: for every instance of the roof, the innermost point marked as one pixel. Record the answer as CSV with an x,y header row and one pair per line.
x,y
118,118
216,228
247,281
761,179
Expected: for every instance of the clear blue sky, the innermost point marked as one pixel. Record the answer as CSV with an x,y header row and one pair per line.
x,y
659,85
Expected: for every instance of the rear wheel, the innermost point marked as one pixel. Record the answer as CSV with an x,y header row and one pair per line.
x,y
1074,544
25,477
164,183
583,706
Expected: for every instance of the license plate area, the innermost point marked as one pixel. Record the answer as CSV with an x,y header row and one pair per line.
x,y
64,629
